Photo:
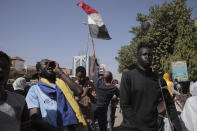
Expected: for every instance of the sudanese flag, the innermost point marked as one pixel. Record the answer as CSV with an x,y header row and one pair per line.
x,y
96,25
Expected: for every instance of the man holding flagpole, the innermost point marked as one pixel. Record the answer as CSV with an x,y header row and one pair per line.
x,y
104,91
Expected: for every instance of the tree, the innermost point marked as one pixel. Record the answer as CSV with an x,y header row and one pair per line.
x,y
171,32
127,54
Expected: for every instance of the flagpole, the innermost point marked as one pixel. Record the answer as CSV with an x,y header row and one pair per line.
x,y
93,47
87,47
84,23
94,54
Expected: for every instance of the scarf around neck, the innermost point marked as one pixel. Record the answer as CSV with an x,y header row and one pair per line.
x,y
66,104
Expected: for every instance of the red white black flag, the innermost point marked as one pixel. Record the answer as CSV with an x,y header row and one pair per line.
x,y
96,26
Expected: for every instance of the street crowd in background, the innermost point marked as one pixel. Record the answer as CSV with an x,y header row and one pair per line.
x,y
56,102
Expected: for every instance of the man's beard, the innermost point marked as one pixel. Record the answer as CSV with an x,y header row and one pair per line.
x,y
49,76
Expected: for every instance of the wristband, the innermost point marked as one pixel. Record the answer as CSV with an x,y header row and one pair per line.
x,y
60,75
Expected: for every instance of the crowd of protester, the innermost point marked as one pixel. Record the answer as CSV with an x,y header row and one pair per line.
x,y
56,102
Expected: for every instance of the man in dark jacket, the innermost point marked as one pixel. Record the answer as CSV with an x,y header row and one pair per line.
x,y
140,94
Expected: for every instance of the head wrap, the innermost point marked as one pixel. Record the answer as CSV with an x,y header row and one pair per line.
x,y
19,83
193,89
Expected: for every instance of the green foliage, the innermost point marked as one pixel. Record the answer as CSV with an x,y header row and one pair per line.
x,y
171,32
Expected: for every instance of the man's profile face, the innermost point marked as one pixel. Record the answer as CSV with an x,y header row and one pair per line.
x,y
81,77
47,71
4,71
145,57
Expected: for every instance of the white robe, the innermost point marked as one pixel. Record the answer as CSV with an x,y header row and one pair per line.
x,y
189,114
167,125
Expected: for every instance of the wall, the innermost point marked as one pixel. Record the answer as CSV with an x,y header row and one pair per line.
x,y
19,65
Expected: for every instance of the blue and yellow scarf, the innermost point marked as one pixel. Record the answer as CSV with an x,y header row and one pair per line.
x,y
68,111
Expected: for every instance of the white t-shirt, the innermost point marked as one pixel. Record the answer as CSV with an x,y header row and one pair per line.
x,y
11,112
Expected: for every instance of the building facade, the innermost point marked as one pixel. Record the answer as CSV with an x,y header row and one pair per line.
x,y
17,68
84,61
18,64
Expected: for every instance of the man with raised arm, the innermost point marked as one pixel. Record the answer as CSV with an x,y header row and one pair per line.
x,y
104,91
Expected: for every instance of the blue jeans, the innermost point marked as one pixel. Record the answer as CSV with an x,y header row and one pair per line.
x,y
100,114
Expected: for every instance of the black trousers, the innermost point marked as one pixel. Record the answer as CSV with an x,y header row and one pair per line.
x,y
100,114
